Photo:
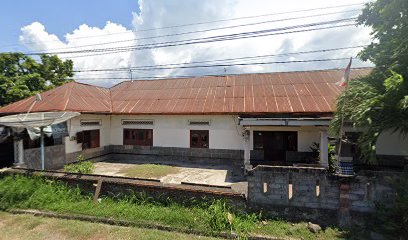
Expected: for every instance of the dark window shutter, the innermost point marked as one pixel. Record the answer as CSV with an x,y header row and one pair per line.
x,y
199,138
95,138
79,137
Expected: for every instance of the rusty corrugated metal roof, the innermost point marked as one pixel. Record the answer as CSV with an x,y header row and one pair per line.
x,y
71,96
264,93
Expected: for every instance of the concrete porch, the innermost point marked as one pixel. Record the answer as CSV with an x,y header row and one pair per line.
x,y
285,141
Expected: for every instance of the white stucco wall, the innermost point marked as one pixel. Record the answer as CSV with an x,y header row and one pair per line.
x,y
306,135
74,126
224,133
390,143
174,131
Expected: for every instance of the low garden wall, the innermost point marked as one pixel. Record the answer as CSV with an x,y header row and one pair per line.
x,y
232,158
303,193
154,189
293,193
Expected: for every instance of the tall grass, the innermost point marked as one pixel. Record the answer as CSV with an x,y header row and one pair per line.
x,y
20,192
39,193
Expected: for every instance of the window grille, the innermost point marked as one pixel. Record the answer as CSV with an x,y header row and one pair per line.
x,y
91,122
199,123
137,122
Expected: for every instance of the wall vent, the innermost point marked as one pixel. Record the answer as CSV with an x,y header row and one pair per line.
x,y
199,122
86,123
137,122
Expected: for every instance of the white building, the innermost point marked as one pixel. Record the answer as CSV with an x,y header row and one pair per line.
x,y
243,119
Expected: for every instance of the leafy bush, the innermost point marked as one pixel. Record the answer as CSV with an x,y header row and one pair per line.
x,y
315,148
332,159
81,166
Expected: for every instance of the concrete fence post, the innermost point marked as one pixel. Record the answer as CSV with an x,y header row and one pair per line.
x,y
344,218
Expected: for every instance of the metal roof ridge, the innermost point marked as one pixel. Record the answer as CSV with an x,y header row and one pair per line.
x,y
87,84
236,74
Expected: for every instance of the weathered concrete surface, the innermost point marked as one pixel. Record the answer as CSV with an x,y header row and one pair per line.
x,y
190,173
305,193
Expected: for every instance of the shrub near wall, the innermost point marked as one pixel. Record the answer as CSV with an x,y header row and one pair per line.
x,y
81,166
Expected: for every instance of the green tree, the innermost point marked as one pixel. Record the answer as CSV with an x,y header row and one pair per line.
x,y
21,76
379,101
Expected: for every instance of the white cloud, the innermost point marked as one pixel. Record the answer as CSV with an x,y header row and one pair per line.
x,y
35,37
156,14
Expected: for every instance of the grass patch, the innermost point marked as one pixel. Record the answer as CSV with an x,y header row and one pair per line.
x,y
154,171
21,192
31,227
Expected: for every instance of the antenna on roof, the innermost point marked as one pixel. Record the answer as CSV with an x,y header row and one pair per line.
x,y
131,75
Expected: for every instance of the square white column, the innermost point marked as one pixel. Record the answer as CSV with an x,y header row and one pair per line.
x,y
18,152
247,149
324,149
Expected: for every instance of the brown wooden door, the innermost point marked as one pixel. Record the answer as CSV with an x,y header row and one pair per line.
x,y
90,139
95,138
276,144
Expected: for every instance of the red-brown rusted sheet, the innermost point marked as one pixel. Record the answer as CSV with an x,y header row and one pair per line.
x,y
72,96
289,92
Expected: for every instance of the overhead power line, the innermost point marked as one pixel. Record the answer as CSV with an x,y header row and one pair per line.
x,y
121,51
171,45
200,31
234,64
207,22
242,35
193,76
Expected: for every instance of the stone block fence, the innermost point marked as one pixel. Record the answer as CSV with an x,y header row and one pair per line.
x,y
56,158
312,194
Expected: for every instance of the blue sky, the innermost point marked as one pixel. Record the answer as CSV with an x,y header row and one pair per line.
x,y
60,17
31,25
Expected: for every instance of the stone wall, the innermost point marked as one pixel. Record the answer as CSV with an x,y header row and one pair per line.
x,y
312,194
54,157
173,154
96,154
